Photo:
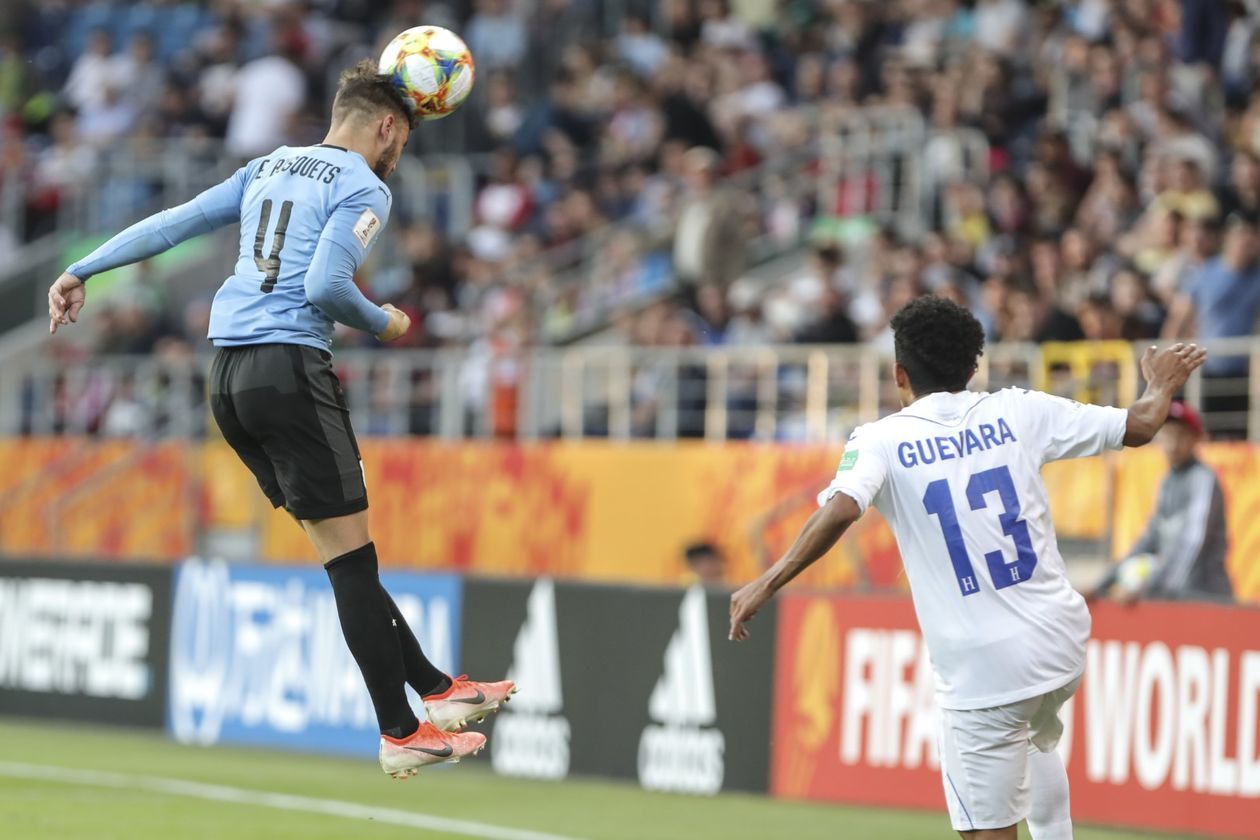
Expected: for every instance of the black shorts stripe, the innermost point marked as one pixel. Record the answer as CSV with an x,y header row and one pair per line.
x,y
281,407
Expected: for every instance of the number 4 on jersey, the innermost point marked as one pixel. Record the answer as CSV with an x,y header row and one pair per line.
x,y
270,266
939,502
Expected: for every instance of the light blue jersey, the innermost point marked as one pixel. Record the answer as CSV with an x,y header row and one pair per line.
x,y
308,217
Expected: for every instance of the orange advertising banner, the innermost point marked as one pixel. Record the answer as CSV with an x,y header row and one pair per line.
x,y
599,511
1162,735
593,510
71,497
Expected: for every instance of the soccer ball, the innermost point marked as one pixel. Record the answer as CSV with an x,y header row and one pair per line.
x,y
1134,572
431,67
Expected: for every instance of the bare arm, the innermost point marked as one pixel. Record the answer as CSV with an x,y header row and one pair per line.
x,y
1165,372
820,533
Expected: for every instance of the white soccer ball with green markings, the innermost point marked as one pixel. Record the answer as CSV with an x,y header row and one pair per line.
x,y
432,68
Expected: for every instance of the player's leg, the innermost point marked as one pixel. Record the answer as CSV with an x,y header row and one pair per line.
x,y
286,400
1050,817
422,675
223,407
349,557
984,769
450,702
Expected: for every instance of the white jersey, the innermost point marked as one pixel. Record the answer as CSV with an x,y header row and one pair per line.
x,y
958,477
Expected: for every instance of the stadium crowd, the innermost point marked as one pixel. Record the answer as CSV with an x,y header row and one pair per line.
x,y
1122,156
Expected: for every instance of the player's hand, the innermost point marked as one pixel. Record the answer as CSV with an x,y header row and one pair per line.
x,y
745,604
1169,368
65,298
1128,597
398,325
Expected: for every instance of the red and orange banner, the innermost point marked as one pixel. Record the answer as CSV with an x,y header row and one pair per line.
x,y
1162,734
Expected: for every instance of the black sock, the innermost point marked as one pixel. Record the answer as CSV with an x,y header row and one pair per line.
x,y
369,631
422,675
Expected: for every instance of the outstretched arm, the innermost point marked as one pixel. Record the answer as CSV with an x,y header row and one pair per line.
x,y
218,206
1165,372
820,533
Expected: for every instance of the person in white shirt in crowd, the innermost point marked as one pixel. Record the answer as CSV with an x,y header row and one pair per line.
x,y
269,93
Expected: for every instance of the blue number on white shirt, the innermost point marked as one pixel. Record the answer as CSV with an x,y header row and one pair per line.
x,y
940,503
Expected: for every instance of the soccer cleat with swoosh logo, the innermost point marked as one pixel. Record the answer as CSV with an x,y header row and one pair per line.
x,y
466,701
402,757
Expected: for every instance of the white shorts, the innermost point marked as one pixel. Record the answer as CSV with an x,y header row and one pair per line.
x,y
984,757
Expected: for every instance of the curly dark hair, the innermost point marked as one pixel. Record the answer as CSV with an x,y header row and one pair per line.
x,y
363,92
938,343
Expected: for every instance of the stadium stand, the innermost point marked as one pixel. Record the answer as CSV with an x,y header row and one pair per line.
x,y
695,174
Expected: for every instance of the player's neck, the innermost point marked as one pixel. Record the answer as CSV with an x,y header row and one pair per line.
x,y
914,398
351,141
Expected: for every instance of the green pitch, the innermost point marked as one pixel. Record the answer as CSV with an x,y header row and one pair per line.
x,y
139,786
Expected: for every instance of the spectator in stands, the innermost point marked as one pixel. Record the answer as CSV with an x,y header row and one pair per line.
x,y
705,563
1222,300
219,61
1197,243
821,295
138,75
61,171
90,74
12,74
641,48
496,35
708,243
1242,194
268,94
109,117
1181,554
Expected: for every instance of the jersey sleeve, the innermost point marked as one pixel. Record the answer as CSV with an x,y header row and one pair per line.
x,y
218,206
358,219
1068,429
862,470
348,236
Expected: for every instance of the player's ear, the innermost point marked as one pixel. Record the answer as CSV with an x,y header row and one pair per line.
x,y
900,376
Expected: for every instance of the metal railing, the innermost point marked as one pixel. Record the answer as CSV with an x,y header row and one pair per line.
x,y
771,393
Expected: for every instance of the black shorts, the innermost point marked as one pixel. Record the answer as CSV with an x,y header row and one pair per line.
x,y
282,409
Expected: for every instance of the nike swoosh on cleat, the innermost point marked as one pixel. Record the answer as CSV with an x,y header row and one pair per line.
x,y
471,701
445,752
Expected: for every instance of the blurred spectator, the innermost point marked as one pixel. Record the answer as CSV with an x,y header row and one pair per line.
x,y
1196,244
705,563
60,173
12,74
821,294
708,244
1222,300
1181,554
138,76
641,48
496,35
91,73
267,95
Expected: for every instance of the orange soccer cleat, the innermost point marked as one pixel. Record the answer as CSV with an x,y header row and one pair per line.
x,y
466,702
402,757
